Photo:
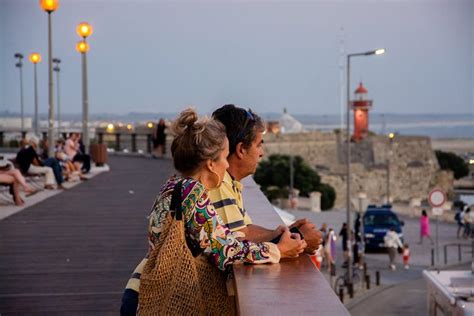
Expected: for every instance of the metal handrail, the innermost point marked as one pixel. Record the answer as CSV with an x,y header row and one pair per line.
x,y
459,245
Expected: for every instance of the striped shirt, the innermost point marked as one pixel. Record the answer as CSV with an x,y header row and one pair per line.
x,y
228,202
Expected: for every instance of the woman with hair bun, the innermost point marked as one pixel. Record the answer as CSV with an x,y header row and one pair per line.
x,y
199,150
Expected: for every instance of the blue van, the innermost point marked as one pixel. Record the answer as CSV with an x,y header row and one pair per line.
x,y
377,221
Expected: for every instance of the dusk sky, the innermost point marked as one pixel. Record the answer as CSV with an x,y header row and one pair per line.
x,y
157,56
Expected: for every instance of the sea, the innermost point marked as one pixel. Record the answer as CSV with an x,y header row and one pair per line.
x,y
437,126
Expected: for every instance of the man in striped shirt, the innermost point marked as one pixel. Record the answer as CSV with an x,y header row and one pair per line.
x,y
245,134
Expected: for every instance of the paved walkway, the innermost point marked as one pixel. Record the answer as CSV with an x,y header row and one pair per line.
x,y
406,291
73,253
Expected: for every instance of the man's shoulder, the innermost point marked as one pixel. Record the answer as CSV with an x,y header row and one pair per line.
x,y
225,189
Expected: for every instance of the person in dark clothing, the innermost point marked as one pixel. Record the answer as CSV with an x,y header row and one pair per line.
x,y
345,249
82,156
29,162
159,139
357,242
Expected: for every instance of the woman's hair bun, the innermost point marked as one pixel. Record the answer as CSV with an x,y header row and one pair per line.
x,y
196,140
185,121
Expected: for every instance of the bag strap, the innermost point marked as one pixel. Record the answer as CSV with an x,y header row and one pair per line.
x,y
177,208
176,203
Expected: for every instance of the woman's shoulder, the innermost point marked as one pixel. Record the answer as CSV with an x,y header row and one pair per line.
x,y
191,188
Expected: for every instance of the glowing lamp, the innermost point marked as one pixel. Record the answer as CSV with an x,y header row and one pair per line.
x,y
84,29
49,5
35,58
82,47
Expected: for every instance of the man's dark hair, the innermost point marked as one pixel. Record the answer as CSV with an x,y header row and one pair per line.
x,y
241,125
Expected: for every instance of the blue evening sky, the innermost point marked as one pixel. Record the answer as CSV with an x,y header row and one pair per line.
x,y
159,56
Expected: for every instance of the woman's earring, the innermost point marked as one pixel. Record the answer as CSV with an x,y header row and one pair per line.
x,y
218,179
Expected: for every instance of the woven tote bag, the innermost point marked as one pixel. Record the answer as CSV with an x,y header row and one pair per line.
x,y
174,282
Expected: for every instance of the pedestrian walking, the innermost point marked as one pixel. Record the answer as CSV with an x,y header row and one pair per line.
x,y
345,246
159,139
324,233
406,256
425,227
392,242
459,218
467,218
330,249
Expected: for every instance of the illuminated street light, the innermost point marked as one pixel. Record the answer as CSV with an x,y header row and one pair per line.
x,y
82,47
149,125
84,30
50,6
348,152
35,58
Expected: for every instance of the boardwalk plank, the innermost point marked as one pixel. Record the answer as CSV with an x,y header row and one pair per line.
x,y
73,253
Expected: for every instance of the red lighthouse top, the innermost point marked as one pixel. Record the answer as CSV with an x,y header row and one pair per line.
x,y
361,89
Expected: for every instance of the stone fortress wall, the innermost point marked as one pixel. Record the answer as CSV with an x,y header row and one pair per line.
x,y
414,169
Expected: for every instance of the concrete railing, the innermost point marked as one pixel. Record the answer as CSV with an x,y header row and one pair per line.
x,y
132,141
293,287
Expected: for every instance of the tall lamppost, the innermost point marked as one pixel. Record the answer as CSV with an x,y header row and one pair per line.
x,y
391,136
84,30
348,161
35,58
56,69
19,64
50,6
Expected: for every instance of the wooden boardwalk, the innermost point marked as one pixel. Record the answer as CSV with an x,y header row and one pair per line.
x,y
73,253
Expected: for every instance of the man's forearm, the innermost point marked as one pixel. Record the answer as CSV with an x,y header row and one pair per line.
x,y
257,233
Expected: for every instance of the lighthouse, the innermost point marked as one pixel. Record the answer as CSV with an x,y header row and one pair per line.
x,y
361,106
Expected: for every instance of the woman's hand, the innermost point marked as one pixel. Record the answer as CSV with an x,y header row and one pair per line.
x,y
290,245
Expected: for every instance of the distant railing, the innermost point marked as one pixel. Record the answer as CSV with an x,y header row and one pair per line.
x,y
134,141
459,246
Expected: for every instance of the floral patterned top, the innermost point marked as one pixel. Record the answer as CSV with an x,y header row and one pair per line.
x,y
204,229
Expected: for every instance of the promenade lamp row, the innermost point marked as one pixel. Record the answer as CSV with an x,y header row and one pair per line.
x,y
84,30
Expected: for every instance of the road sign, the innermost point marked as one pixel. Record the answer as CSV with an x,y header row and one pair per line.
x,y
436,198
437,211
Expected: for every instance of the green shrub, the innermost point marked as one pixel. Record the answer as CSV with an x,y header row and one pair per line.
x,y
14,143
451,161
328,196
273,176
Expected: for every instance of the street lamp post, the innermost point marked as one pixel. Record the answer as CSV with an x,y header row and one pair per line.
x,y
19,64
35,58
56,68
348,158
50,6
84,30
391,136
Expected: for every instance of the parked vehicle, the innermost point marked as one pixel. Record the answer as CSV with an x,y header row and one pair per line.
x,y
377,221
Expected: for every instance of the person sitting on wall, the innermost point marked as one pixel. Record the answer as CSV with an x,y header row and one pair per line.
x,y
72,148
29,162
7,178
